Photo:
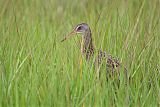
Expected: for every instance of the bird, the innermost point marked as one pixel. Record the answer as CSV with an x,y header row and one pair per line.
x,y
90,53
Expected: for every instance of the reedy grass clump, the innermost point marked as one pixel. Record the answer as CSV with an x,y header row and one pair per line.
x,y
37,70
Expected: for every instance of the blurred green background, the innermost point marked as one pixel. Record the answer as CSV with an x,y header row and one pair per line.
x,y
36,69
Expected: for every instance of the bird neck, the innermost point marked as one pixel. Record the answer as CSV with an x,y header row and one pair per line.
x,y
87,48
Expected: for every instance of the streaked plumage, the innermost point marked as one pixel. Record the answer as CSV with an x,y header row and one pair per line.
x,y
88,50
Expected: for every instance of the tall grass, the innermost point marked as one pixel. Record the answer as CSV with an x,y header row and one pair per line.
x,y
37,70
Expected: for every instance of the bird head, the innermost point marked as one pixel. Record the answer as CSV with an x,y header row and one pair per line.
x,y
79,29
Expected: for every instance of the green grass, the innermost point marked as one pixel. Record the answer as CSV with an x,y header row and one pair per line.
x,y
36,69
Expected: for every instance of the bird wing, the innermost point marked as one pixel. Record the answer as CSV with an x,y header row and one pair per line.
x,y
112,64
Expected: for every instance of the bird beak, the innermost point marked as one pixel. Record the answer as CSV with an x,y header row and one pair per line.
x,y
68,36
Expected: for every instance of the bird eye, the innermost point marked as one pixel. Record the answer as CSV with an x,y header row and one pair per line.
x,y
79,28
